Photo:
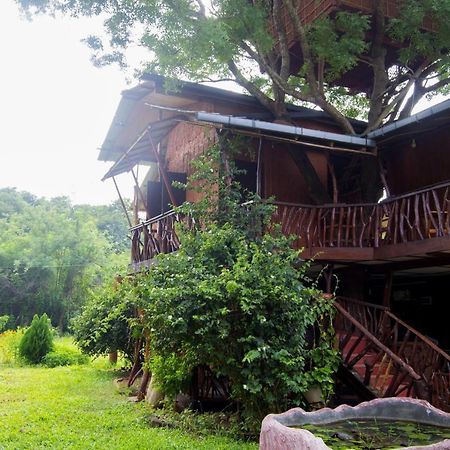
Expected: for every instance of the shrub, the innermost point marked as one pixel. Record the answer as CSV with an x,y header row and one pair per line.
x,y
9,345
64,357
104,324
4,320
243,308
37,340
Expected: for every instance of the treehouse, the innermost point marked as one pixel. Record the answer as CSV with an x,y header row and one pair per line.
x,y
391,256
360,78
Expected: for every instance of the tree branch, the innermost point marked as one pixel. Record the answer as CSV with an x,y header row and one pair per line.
x,y
282,39
304,45
257,93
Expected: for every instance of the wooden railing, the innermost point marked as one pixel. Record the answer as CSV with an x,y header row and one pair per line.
x,y
157,235
412,217
415,216
394,358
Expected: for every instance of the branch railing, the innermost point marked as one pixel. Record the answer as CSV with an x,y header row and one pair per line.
x,y
157,235
397,359
415,216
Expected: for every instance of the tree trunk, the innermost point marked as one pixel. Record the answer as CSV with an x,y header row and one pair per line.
x,y
112,358
316,189
137,363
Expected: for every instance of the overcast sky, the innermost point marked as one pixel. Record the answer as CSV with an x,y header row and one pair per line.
x,y
55,108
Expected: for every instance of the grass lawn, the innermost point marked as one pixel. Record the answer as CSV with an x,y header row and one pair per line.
x,y
77,407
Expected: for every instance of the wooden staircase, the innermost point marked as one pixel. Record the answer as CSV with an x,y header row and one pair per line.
x,y
384,357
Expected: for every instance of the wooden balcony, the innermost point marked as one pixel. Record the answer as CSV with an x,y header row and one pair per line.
x,y
418,222
155,236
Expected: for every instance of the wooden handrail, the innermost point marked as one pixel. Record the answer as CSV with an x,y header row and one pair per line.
x,y
379,344
154,219
412,330
358,205
360,302
423,190
418,352
416,216
423,338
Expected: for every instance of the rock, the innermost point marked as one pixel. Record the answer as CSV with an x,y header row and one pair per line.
x,y
182,401
153,396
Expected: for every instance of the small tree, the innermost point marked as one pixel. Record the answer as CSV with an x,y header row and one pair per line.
x,y
37,340
104,326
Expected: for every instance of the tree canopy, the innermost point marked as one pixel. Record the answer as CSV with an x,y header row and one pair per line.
x,y
52,253
249,42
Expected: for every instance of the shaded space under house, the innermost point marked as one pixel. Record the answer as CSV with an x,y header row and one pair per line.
x,y
391,255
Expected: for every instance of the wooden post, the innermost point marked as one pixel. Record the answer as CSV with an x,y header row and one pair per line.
x,y
163,173
333,179
328,273
259,169
383,177
122,202
140,193
388,289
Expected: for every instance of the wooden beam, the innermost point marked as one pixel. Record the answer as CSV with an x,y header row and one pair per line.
x,y
426,246
163,173
259,168
316,189
388,289
122,202
140,193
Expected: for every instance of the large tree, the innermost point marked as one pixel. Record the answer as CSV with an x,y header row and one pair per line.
x,y
249,42
52,253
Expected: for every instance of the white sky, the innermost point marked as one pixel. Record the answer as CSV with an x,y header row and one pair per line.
x,y
55,108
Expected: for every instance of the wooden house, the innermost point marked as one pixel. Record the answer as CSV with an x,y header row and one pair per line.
x,y
391,256
360,78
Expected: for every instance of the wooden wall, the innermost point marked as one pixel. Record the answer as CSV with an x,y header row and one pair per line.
x,y
417,163
283,179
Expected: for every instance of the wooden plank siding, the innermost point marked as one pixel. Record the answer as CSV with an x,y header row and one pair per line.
x,y
418,161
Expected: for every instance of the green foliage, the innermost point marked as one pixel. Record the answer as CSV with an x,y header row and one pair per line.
x,y
239,40
339,42
214,178
4,322
64,357
204,424
76,407
37,340
242,308
51,253
172,373
9,345
104,324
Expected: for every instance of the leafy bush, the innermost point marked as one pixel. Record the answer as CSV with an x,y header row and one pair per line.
x,y
104,324
37,340
64,357
4,320
241,307
172,373
9,345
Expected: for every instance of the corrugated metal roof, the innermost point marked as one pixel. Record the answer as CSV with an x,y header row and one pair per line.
x,y
141,151
400,125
